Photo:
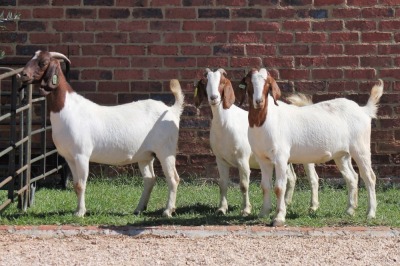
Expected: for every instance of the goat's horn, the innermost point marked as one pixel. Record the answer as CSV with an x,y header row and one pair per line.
x,y
222,71
60,56
208,70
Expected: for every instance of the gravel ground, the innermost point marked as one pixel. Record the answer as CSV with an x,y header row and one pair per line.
x,y
204,248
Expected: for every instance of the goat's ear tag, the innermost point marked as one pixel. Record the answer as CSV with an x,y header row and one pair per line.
x,y
54,80
242,86
195,92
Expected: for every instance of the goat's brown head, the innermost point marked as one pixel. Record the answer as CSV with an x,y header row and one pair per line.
x,y
216,87
259,84
44,69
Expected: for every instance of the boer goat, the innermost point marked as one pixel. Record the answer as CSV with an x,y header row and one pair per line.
x,y
84,131
229,141
279,133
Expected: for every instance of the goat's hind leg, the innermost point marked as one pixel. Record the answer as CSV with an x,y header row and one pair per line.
x,y
149,179
244,172
223,169
291,176
346,169
172,177
313,180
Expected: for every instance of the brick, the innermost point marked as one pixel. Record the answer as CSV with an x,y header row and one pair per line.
x,y
8,3
281,61
361,2
389,73
67,25
296,2
130,50
263,26
146,62
46,13
359,73
246,62
279,37
294,49
66,2
136,37
178,38
179,61
98,2
196,50
25,50
326,73
310,37
44,38
338,61
228,49
342,86
81,13
328,2
83,61
28,25
198,25
346,13
147,13
130,97
377,12
100,25
96,50
247,13
360,49
314,13
165,26
375,61
341,37
197,2
163,50
119,13
231,25
213,13
293,74
389,25
214,62
114,62
113,86
368,37
180,13
260,49
330,25
310,87
128,74
244,37
95,74
361,25
33,2
102,98
327,49
311,61
389,49
78,37
165,3
275,13
148,86
212,37
163,74
131,25
231,2
296,25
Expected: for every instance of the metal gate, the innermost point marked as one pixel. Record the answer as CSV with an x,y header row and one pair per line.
x,y
27,154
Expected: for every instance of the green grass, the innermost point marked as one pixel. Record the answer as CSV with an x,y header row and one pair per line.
x,y
110,202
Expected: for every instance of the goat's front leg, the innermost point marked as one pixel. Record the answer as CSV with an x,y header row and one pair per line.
x,y
280,189
266,184
80,171
244,173
223,169
149,179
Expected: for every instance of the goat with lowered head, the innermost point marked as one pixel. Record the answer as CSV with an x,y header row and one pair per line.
x,y
229,141
338,129
84,131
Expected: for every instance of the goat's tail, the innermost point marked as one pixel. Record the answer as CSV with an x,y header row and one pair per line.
x,y
372,105
175,87
299,99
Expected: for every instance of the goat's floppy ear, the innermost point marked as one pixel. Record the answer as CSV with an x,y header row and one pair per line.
x,y
200,92
274,89
51,77
228,95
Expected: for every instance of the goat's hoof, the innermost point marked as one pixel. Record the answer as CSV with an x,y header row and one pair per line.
x,y
80,213
350,211
137,212
371,216
245,212
313,209
221,211
168,212
278,223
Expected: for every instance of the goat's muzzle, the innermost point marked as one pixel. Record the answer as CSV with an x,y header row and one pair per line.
x,y
258,103
214,100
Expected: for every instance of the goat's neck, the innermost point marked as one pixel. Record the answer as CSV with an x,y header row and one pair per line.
x,y
257,117
56,98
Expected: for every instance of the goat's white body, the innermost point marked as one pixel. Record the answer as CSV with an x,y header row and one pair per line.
x,y
337,129
114,135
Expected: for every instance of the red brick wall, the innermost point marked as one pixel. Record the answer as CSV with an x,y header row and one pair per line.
x,y
123,50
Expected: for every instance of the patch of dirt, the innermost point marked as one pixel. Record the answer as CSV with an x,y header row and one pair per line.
x,y
18,249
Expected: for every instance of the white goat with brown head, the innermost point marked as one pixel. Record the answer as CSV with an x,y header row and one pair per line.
x,y
229,141
336,130
84,131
